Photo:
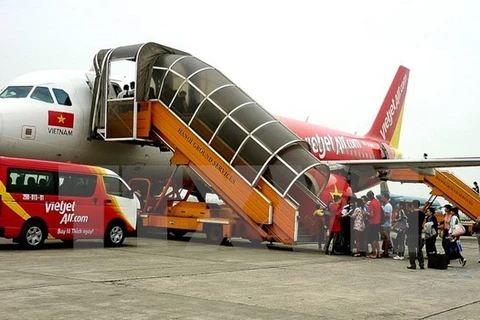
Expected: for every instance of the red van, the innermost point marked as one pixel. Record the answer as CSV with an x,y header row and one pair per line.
x,y
42,200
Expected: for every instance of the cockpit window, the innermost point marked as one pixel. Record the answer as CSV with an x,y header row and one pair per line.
x,y
62,97
16,92
42,94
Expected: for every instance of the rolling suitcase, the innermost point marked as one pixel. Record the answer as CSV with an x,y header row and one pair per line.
x,y
438,261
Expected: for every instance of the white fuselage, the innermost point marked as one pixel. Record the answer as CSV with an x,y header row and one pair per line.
x,y
26,129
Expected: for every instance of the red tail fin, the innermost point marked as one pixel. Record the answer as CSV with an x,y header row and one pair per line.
x,y
388,123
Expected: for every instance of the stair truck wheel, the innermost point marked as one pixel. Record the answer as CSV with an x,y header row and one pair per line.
x,y
214,234
176,234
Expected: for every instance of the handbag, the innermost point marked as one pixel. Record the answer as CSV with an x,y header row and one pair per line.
x,y
429,230
458,230
400,226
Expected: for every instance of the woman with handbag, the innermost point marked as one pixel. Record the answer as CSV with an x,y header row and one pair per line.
x,y
454,247
400,227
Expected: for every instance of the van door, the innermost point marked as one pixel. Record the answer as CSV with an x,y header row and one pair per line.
x,y
121,202
78,206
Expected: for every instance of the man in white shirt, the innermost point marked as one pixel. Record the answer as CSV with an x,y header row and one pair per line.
x,y
131,92
385,227
124,93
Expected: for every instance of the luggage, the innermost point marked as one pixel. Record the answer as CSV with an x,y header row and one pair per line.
x,y
438,261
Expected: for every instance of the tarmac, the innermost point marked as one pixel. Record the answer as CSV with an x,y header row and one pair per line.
x,y
155,278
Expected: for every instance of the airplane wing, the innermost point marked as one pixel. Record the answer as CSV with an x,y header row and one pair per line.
x,y
361,173
388,164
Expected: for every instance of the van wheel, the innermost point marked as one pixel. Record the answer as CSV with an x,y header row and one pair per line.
x,y
33,235
114,235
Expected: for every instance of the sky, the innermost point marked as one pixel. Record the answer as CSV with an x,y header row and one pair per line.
x,y
330,61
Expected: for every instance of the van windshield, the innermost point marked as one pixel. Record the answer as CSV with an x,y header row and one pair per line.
x,y
16,92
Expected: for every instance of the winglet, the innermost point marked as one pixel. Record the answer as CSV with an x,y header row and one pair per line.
x,y
388,123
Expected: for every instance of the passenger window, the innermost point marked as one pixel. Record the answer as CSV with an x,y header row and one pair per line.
x,y
30,182
77,185
62,97
42,94
117,187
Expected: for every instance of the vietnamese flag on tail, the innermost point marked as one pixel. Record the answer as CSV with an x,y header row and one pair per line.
x,y
60,119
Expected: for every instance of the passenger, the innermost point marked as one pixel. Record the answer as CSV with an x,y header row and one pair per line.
x,y
151,94
365,203
131,92
445,225
19,184
335,208
414,236
476,231
400,228
366,218
180,103
20,181
124,93
454,246
32,185
475,187
358,216
346,226
374,224
431,226
167,94
42,184
385,227
322,228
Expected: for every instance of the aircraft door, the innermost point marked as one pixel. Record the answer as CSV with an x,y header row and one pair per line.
x,y
383,151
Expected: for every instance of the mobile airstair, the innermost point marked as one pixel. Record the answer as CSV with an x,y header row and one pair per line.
x,y
446,185
261,169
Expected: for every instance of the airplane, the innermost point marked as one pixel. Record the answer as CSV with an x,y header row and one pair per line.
x,y
46,114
